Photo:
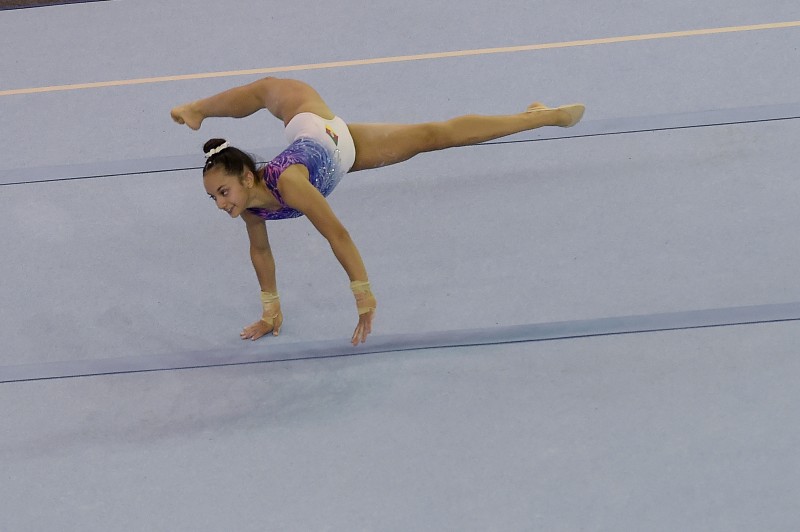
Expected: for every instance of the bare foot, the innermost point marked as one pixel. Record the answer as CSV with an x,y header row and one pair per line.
x,y
187,114
572,114
564,116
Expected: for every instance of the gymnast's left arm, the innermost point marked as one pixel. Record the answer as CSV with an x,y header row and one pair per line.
x,y
300,194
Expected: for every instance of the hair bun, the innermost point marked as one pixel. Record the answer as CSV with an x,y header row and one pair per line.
x,y
212,144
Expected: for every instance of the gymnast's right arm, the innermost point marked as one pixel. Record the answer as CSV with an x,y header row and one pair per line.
x,y
264,264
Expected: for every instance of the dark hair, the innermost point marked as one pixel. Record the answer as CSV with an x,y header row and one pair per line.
x,y
234,160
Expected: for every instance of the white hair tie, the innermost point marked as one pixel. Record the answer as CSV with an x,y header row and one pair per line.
x,y
212,152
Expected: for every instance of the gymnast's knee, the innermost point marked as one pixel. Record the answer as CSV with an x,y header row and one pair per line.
x,y
434,136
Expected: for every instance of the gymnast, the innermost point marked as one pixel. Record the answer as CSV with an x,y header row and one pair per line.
x,y
322,148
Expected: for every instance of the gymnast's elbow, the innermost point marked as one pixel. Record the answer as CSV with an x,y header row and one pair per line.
x,y
260,249
338,237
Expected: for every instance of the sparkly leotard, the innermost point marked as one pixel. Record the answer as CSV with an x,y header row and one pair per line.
x,y
321,173
326,152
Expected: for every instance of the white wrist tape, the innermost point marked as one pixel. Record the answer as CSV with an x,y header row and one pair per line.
x,y
365,301
271,304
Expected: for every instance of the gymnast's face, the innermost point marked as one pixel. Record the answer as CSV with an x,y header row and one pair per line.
x,y
230,192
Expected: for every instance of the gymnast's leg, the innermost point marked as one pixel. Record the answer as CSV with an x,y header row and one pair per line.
x,y
284,98
384,144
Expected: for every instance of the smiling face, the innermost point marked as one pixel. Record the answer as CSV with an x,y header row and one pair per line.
x,y
231,193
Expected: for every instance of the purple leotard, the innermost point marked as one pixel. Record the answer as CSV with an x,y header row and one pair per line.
x,y
324,172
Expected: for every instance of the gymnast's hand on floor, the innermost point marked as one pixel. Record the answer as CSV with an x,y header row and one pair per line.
x,y
262,328
366,305
363,328
271,318
187,114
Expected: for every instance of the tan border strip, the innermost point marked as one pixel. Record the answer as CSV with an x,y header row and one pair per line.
x,y
405,58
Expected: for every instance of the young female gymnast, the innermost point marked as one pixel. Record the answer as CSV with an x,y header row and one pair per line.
x,y
322,148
